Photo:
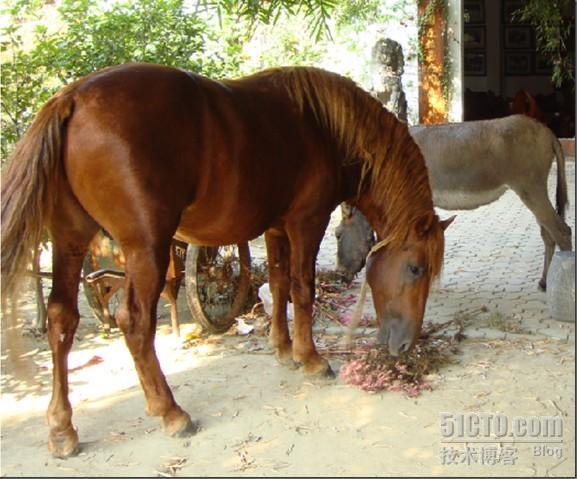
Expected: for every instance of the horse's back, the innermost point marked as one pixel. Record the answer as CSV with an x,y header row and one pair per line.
x,y
125,141
200,154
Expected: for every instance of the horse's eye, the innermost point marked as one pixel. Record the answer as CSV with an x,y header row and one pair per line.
x,y
415,270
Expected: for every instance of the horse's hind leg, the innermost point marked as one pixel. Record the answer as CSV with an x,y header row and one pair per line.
x,y
554,229
62,323
145,277
71,230
278,256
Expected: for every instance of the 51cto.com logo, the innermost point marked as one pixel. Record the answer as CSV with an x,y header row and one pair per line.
x,y
492,438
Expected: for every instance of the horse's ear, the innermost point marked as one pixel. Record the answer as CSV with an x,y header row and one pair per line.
x,y
445,223
423,225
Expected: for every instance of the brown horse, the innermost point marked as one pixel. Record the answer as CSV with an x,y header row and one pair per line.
x,y
214,162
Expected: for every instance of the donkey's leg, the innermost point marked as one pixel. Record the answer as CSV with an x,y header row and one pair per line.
x,y
71,230
278,256
145,278
537,200
305,239
549,250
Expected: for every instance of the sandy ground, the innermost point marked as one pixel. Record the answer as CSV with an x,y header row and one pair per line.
x,y
259,419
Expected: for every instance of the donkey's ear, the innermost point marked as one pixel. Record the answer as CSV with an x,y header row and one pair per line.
x,y
445,223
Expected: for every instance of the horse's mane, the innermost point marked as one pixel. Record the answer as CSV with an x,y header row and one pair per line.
x,y
393,168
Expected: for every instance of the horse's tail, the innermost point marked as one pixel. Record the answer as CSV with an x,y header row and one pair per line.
x,y
561,195
29,189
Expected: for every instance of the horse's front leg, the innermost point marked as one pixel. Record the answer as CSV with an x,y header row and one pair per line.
x,y
145,277
278,256
305,242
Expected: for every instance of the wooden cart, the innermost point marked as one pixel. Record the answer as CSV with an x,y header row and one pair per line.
x,y
217,281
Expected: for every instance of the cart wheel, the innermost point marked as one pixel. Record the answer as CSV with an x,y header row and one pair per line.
x,y
217,284
106,315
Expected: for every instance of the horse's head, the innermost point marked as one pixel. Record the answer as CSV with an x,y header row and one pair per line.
x,y
400,277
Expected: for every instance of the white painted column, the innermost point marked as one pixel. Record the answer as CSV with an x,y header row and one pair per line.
x,y
455,40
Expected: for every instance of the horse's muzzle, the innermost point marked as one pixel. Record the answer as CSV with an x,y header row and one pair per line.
x,y
397,334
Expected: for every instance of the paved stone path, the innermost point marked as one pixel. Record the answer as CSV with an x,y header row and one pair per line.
x,y
494,257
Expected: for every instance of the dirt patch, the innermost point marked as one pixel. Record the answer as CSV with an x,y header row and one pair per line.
x,y
260,419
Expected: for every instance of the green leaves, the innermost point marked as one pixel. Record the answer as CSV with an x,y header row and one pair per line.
x,y
268,12
72,38
316,12
92,34
160,31
24,77
552,30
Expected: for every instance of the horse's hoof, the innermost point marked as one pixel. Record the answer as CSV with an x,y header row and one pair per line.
x,y
179,424
543,285
287,362
190,429
326,373
285,358
63,444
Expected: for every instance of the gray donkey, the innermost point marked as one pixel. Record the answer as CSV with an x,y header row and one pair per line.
x,y
472,164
